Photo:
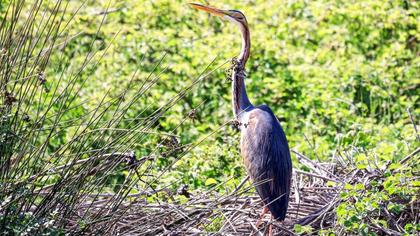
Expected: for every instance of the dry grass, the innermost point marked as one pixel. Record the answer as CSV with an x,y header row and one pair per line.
x,y
314,198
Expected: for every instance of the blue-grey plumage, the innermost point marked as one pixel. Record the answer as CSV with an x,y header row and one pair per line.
x,y
266,155
264,146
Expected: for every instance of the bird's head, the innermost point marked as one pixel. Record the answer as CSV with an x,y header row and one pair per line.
x,y
231,15
239,19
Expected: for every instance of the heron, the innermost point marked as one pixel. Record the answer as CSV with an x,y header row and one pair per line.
x,y
264,146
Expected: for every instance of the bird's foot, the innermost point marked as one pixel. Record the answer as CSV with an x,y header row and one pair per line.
x,y
264,211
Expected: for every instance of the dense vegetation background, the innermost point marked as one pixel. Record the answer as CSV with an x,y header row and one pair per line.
x,y
336,73
342,76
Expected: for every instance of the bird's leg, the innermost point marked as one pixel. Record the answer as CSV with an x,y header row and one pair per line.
x,y
270,228
264,211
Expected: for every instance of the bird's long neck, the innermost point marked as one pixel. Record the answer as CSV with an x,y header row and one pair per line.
x,y
240,101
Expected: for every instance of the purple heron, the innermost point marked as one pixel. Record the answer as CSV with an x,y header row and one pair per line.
x,y
264,146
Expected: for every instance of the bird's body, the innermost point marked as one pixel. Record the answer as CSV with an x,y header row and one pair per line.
x,y
264,146
266,157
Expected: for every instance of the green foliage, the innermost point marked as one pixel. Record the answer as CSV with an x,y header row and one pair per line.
x,y
299,229
27,224
338,74
382,200
341,73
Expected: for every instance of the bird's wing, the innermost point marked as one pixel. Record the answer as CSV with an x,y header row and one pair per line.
x,y
267,159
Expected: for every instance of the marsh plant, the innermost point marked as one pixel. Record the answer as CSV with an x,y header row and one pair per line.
x,y
111,110
61,150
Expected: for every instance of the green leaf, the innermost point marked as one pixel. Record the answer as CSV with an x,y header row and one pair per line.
x,y
360,186
395,207
408,227
297,228
341,210
331,184
361,166
210,181
348,186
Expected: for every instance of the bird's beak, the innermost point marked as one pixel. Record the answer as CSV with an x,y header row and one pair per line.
x,y
211,10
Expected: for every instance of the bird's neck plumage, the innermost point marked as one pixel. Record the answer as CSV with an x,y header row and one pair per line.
x,y
240,101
